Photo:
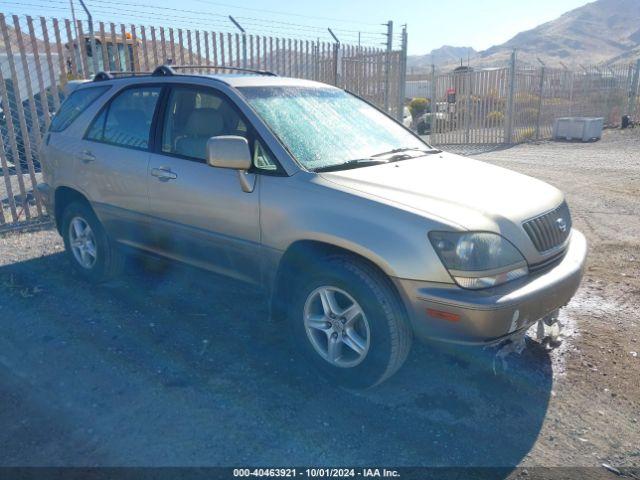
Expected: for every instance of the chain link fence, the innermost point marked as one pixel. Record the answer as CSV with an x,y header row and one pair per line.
x,y
39,55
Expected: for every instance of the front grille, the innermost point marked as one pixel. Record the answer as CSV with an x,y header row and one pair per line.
x,y
550,229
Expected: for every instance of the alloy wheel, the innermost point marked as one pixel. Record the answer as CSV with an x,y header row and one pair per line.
x,y
337,326
82,242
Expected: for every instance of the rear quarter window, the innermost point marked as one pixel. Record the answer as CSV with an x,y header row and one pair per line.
x,y
74,105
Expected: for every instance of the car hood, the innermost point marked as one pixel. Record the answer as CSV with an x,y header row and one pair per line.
x,y
457,190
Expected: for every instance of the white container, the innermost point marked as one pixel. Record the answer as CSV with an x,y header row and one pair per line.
x,y
578,128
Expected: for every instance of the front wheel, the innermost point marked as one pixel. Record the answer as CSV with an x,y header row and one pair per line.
x,y
348,321
92,253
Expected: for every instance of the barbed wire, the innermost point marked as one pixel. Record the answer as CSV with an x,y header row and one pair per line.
x,y
303,32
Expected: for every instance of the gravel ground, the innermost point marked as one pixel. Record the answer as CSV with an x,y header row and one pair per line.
x,y
594,413
172,366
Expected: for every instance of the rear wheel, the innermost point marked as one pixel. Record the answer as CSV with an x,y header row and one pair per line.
x,y
92,253
348,321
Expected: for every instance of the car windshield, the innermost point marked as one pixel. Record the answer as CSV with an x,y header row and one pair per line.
x,y
325,128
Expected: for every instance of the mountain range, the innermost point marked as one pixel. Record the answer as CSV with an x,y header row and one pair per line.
x,y
601,32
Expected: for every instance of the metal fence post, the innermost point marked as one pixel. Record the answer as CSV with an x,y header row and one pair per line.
x,y
540,93
402,74
244,50
508,133
94,57
387,69
467,113
244,42
433,105
571,106
336,57
633,92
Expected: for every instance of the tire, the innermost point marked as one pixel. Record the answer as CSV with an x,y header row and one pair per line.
x,y
108,261
382,327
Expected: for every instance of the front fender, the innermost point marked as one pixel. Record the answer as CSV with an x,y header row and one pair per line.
x,y
393,237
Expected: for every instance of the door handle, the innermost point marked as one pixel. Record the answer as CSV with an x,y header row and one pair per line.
x,y
163,174
86,156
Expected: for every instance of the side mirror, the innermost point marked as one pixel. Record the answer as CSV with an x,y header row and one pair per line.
x,y
229,151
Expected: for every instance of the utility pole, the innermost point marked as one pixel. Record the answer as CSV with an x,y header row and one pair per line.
x,y
336,52
387,72
244,41
94,55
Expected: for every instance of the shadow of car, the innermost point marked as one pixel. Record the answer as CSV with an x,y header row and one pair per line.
x,y
174,366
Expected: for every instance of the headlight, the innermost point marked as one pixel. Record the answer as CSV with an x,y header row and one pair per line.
x,y
480,259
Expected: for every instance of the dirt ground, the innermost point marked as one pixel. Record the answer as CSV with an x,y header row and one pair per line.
x,y
170,366
594,413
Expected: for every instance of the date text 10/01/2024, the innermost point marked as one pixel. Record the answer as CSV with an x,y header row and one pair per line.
x,y
316,472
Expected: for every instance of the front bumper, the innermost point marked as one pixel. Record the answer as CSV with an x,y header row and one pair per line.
x,y
487,316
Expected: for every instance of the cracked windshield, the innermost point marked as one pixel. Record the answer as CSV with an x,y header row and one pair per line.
x,y
323,127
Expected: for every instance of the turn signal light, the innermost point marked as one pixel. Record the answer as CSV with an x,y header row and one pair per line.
x,y
441,315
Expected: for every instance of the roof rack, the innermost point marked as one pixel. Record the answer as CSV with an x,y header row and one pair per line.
x,y
168,70
102,76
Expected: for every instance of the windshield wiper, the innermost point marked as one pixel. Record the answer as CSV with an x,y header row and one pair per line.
x,y
355,163
407,149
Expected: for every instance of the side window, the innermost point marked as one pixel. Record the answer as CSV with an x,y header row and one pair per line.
x,y
194,115
97,126
261,158
74,105
127,119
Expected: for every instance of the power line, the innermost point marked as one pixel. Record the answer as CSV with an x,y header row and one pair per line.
x,y
250,20
254,22
313,27
177,19
288,14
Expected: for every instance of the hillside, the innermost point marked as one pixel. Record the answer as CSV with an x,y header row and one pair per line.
x,y
603,31
444,55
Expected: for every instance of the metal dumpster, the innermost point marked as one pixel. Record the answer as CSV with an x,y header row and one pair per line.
x,y
578,128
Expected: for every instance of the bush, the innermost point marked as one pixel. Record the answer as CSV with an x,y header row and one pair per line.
x,y
527,133
418,106
495,116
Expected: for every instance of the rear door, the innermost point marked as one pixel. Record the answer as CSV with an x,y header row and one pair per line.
x,y
114,158
200,214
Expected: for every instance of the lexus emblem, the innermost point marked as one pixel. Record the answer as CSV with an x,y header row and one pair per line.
x,y
562,224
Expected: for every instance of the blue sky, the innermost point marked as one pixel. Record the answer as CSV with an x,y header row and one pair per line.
x,y
431,24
